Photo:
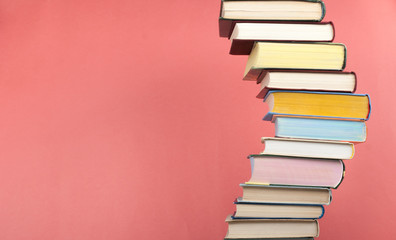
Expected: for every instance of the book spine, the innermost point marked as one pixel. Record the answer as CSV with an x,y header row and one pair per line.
x,y
369,106
323,10
330,196
345,58
332,25
343,175
323,212
317,227
354,89
353,151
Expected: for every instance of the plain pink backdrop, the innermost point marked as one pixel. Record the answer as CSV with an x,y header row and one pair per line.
x,y
129,120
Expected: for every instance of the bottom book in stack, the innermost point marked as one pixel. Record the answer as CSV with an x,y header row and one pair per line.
x,y
271,228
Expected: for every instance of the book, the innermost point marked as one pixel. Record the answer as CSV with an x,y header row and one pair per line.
x,y
318,104
308,148
286,194
295,171
232,11
324,129
306,80
295,55
308,238
248,210
271,228
245,34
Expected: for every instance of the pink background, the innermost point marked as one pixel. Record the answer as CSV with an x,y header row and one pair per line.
x,y
129,120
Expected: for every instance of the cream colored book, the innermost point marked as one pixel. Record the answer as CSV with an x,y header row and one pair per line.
x,y
286,194
248,210
271,228
244,34
303,56
302,10
333,81
308,148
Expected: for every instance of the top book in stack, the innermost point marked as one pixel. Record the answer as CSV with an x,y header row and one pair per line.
x,y
233,11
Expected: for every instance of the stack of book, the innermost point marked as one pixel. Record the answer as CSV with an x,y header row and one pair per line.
x,y
311,100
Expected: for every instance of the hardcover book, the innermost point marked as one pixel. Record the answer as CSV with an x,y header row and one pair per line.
x,y
232,11
293,171
245,34
325,129
318,105
271,228
309,238
259,210
296,55
286,194
332,81
308,148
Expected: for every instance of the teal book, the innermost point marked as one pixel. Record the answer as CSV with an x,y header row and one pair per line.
x,y
323,129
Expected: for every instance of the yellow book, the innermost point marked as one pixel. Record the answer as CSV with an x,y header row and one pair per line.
x,y
308,56
318,104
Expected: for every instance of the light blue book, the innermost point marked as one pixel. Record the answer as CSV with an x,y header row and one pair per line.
x,y
325,129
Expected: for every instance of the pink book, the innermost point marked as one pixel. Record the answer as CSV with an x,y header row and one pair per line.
x,y
296,171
